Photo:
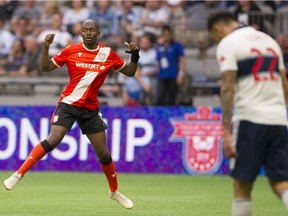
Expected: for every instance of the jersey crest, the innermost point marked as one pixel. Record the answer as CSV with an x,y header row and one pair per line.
x,y
102,54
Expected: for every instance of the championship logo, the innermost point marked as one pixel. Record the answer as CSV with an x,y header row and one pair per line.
x,y
201,134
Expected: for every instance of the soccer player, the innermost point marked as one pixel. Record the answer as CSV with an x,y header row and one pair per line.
x,y
254,84
88,65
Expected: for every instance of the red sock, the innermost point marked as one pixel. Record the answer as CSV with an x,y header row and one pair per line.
x,y
111,176
35,155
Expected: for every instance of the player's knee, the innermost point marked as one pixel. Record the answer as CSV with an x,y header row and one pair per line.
x,y
105,158
53,141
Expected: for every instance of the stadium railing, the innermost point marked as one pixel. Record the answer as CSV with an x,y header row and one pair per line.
x,y
26,85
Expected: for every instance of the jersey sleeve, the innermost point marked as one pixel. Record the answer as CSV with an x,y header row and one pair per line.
x,y
226,56
281,63
60,59
118,62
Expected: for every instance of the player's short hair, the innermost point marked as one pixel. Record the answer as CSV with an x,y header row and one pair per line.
x,y
94,23
219,16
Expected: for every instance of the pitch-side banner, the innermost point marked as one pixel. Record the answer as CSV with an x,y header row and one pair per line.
x,y
142,139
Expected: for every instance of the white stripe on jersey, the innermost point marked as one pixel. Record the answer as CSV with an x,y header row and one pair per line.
x,y
122,66
55,63
81,87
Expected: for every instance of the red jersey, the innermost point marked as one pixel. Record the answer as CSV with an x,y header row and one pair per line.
x,y
88,70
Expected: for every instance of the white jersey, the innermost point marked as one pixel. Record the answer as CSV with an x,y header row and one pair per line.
x,y
257,59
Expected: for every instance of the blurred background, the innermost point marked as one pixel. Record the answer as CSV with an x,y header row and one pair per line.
x,y
24,24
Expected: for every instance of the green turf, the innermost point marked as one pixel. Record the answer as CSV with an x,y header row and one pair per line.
x,y
84,194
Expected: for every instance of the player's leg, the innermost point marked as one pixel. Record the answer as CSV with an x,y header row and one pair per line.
x,y
92,124
62,120
280,188
247,138
276,162
242,205
98,141
39,151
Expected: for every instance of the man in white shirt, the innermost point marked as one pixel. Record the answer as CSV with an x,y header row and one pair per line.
x,y
62,38
254,84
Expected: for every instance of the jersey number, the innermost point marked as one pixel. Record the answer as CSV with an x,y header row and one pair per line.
x,y
259,62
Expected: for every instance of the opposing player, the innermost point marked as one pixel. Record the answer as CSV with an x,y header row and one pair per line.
x,y
254,84
88,65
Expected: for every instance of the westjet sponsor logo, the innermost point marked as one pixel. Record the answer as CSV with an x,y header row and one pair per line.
x,y
87,65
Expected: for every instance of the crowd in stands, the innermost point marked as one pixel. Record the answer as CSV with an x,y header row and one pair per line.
x,y
24,24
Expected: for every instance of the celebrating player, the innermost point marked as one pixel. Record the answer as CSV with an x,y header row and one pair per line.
x,y
253,81
88,65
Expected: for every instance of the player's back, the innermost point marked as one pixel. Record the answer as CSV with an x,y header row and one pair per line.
x,y
257,58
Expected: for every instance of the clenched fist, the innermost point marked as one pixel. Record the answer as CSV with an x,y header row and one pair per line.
x,y
49,39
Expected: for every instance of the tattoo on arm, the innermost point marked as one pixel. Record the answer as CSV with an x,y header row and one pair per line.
x,y
227,97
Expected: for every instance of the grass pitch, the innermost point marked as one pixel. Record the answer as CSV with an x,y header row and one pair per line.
x,y
85,194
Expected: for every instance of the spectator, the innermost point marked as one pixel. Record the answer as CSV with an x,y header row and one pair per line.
x,y
110,88
147,68
15,58
76,30
248,13
170,56
198,13
6,42
176,10
108,21
134,90
196,19
26,9
76,14
155,15
48,9
31,56
138,90
6,9
21,29
130,20
62,38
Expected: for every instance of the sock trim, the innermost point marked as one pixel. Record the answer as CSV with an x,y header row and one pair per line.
x,y
46,146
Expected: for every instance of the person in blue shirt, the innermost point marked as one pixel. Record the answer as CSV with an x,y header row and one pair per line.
x,y
171,60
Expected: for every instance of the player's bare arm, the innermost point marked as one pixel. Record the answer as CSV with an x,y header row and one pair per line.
x,y
46,64
130,69
284,84
228,81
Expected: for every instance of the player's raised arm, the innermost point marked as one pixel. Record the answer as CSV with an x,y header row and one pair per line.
x,y
46,64
130,69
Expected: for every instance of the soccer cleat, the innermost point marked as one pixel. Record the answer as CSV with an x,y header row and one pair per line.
x,y
124,201
10,182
